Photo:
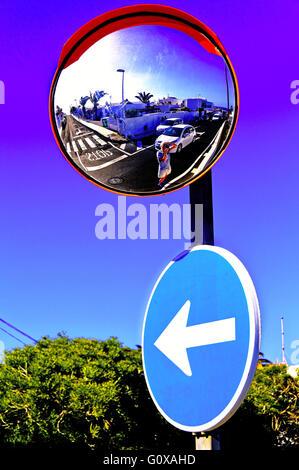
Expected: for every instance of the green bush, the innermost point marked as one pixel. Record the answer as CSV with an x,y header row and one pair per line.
x,y
91,394
82,392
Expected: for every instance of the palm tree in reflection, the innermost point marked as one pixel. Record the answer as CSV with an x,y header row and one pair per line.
x,y
95,98
83,101
144,97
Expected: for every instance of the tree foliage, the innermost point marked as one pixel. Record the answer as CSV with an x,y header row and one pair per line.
x,y
64,392
92,394
144,97
269,415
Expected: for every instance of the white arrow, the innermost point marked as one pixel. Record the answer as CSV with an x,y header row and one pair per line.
x,y
178,337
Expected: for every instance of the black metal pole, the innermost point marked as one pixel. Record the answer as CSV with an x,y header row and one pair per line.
x,y
201,193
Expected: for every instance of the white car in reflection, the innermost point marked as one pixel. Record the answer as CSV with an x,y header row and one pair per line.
x,y
181,135
167,124
216,117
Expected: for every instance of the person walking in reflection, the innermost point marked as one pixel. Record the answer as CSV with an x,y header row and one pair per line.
x,y
163,156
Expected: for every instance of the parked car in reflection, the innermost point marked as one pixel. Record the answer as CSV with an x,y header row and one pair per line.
x,y
167,124
216,117
181,135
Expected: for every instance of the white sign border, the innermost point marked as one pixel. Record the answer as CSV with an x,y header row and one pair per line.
x,y
254,342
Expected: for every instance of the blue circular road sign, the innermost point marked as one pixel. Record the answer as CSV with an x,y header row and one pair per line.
x,y
201,338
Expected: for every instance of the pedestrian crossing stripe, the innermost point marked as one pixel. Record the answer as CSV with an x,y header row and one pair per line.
x,y
97,139
90,142
81,144
84,144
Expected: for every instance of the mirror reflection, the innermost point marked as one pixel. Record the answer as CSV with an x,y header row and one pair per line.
x,y
145,110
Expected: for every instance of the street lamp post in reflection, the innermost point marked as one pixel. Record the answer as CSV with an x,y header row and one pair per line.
x,y
122,85
122,94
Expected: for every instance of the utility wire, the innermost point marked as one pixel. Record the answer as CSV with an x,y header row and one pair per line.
x,y
17,329
12,336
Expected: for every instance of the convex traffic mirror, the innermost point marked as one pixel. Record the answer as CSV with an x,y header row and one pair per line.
x,y
144,100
